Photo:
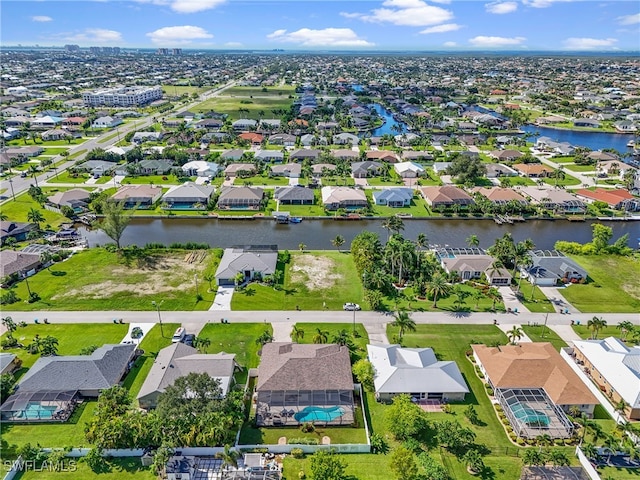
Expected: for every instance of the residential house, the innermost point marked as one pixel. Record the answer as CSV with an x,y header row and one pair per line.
x,y
550,268
471,264
153,167
501,196
366,169
240,198
232,155
348,198
244,124
546,144
9,363
309,140
446,196
441,167
56,134
255,139
305,154
345,154
106,122
252,261
319,168
233,169
275,156
138,196
625,126
269,124
618,199
45,122
614,367
556,199
209,124
179,360
381,156
22,264
61,381
498,170
188,196
586,122
506,155
17,230
614,168
409,169
76,199
296,380
393,197
417,156
24,152
535,387
283,139
141,137
200,168
296,195
533,170
415,372
289,170
600,156
346,139
97,168
406,139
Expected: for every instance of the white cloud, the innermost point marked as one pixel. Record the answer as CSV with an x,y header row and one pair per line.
x,y
450,44
182,34
485,41
543,3
445,27
500,8
589,43
41,18
186,6
95,35
233,44
629,19
412,13
331,37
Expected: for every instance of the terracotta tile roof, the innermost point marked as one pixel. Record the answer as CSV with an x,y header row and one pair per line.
x,y
532,168
534,365
498,194
611,197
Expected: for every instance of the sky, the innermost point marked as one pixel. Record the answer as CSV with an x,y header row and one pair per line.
x,y
421,25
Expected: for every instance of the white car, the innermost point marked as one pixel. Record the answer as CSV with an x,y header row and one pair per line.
x,y
351,306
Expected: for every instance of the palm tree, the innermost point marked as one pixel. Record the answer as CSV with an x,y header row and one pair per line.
x,y
35,216
438,287
595,325
621,406
558,175
612,444
338,241
297,333
494,295
477,296
301,246
625,327
321,336
404,322
590,451
229,457
201,343
514,334
473,241
544,440
342,337
265,338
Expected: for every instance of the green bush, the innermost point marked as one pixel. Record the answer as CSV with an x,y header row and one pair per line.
x,y
297,453
521,442
302,441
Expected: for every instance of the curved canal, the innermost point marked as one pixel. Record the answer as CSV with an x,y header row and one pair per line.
x,y
317,234
592,140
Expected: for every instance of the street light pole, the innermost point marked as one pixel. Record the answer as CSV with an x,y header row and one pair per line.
x,y
159,317
13,194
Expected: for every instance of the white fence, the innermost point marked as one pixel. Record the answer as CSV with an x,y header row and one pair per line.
x,y
586,464
338,448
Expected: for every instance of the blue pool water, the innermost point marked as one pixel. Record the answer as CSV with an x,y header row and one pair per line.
x,y
318,414
530,416
35,410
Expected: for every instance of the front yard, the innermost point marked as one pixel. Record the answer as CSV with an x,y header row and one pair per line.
x,y
238,338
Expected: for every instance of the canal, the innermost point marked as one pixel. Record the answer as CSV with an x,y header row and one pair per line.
x,y
317,234
592,140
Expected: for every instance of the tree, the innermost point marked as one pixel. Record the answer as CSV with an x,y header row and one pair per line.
x,y
404,322
265,338
209,277
596,324
473,461
590,451
438,287
432,469
466,169
403,463
136,334
472,415
115,220
514,334
229,457
532,457
364,372
10,325
625,327
338,241
35,216
601,235
301,246
621,407
297,333
404,418
342,337
48,346
7,386
327,466
201,343
374,298
321,336
160,459
473,241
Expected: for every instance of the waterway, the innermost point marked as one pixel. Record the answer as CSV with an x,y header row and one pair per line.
x,y
317,234
592,140
389,122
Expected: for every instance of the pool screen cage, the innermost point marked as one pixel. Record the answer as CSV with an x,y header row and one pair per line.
x,y
272,401
19,406
532,413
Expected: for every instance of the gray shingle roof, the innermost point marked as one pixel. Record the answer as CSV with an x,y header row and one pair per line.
x,y
293,193
237,260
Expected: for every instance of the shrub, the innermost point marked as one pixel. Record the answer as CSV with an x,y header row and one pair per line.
x,y
307,427
302,441
521,442
297,453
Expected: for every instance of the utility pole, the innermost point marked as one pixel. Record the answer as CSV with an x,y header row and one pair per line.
x,y
544,326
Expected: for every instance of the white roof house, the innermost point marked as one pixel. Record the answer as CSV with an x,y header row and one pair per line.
x,y
614,364
201,168
408,169
415,371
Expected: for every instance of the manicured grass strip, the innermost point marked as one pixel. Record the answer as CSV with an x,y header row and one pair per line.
x,y
544,334
18,209
534,299
614,284
586,333
117,469
238,338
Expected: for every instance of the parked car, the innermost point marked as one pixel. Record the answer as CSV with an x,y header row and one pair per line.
x,y
179,335
351,307
188,339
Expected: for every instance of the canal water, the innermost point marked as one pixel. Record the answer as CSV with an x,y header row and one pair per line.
x,y
389,122
317,234
592,140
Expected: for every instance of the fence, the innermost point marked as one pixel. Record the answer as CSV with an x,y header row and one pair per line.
x,y
338,448
586,464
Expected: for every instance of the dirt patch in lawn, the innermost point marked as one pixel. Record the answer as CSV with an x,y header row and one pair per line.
x,y
317,273
156,274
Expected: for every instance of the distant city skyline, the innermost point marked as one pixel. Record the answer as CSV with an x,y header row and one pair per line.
x,y
421,25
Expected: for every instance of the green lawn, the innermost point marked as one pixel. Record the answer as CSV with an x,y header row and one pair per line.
x,y
536,334
418,207
54,151
261,180
585,332
360,340
534,299
151,344
155,180
107,138
238,338
614,285
232,106
18,209
310,279
338,181
179,90
67,177
580,168
566,181
72,337
513,181
277,91
117,469
95,279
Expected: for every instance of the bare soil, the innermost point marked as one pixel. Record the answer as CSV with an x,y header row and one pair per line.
x,y
317,273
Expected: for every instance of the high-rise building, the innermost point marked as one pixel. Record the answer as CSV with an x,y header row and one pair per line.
x,y
162,51
176,51
122,97
72,48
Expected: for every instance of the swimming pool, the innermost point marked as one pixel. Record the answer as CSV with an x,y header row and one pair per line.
x,y
530,416
36,411
318,414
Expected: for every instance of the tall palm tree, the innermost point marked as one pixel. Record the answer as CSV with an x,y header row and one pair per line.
x,y
321,336
625,327
473,241
477,296
621,406
297,333
404,322
342,337
338,241
35,216
595,325
438,287
229,457
201,343
514,334
590,451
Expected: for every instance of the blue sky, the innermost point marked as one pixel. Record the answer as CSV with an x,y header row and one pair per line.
x,y
301,24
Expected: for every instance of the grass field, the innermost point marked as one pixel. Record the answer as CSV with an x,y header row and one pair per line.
x,y
18,209
261,180
95,279
541,333
566,181
311,279
66,177
154,179
534,299
179,90
232,106
117,469
417,208
238,338
585,332
614,285
279,91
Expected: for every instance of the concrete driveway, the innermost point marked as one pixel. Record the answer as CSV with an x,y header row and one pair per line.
x,y
222,302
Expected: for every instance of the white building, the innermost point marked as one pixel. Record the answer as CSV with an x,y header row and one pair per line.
x,y
122,97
